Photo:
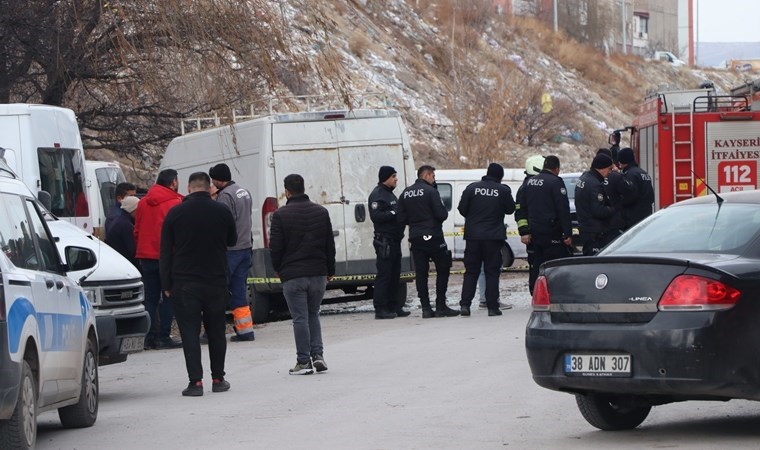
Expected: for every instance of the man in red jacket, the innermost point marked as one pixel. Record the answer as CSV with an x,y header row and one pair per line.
x,y
149,218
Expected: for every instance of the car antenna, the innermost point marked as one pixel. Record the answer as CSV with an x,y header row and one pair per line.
x,y
718,198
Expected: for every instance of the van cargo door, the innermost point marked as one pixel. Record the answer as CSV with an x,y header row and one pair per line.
x,y
310,149
364,146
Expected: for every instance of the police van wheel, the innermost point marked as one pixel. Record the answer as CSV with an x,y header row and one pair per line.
x,y
85,411
507,256
260,305
20,430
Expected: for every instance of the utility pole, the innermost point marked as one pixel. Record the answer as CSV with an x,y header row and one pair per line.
x,y
556,27
622,20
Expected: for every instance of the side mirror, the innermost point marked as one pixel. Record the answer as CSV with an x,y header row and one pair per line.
x,y
80,258
46,200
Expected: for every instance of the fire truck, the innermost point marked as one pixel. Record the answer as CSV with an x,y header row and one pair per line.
x,y
694,141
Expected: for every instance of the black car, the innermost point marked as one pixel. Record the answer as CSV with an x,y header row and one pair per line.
x,y
670,311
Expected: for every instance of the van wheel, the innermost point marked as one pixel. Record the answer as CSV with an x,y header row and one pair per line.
x,y
85,411
20,430
260,305
610,413
507,256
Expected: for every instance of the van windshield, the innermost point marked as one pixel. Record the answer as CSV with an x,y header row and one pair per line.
x,y
61,176
108,178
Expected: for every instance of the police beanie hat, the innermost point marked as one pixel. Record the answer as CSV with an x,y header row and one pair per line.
x,y
220,172
495,171
129,203
625,156
601,161
384,173
534,164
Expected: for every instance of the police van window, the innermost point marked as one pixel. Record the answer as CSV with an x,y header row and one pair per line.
x,y
15,235
61,175
108,178
47,246
445,190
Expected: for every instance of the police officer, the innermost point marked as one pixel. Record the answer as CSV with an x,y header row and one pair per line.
x,y
637,205
533,166
548,211
421,208
617,189
483,205
593,207
387,242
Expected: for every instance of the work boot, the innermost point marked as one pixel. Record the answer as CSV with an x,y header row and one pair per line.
x,y
494,312
427,313
464,311
383,314
402,313
445,311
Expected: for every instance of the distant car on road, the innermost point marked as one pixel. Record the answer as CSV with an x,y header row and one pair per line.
x,y
667,312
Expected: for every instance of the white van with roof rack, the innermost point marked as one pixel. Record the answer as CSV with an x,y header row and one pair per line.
x,y
338,153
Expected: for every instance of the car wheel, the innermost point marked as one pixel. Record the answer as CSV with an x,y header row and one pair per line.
x,y
20,430
507,256
85,411
260,305
611,413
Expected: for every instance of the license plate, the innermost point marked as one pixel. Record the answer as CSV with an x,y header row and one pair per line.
x,y
132,344
598,365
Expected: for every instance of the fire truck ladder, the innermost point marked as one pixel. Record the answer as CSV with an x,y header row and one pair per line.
x,y
681,162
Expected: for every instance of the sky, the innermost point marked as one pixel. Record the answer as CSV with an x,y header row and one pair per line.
x,y
728,20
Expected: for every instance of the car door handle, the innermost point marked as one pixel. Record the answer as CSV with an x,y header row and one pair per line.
x,y
59,284
49,283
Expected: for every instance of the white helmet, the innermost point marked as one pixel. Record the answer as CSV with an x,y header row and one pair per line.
x,y
534,164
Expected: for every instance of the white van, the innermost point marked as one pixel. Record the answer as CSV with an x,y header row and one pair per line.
x,y
451,184
338,153
48,338
102,178
42,146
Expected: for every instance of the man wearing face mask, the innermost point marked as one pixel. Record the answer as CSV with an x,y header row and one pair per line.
x,y
593,208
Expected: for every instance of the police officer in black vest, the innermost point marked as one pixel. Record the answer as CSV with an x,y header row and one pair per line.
x,y
618,189
593,207
533,166
548,213
638,205
421,208
483,205
383,206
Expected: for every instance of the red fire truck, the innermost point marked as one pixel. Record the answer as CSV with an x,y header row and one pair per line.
x,y
689,140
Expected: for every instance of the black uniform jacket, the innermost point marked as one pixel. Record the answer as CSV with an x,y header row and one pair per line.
x,y
637,206
383,208
484,205
547,208
420,207
301,240
592,206
618,189
521,213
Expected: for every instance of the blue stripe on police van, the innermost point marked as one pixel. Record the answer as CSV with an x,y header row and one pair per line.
x,y
58,332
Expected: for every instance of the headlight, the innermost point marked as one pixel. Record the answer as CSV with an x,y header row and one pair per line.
x,y
93,296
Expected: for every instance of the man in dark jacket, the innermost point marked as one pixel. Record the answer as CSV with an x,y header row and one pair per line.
x,y
239,201
421,208
638,205
303,254
533,166
483,205
383,205
193,264
548,211
120,231
593,207
617,189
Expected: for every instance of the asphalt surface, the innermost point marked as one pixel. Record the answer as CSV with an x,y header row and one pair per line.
x,y
459,383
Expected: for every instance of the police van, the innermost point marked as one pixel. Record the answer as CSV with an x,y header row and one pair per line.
x,y
451,184
48,338
338,153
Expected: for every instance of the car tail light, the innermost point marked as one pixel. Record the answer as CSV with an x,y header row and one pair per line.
x,y
541,299
695,293
270,206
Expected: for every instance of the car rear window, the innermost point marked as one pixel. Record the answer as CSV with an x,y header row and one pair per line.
x,y
702,228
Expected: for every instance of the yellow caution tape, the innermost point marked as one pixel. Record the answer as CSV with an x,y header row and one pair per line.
x,y
369,277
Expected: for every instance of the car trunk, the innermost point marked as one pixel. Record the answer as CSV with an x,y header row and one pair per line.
x,y
609,289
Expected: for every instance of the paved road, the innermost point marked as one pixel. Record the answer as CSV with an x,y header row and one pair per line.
x,y
459,383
